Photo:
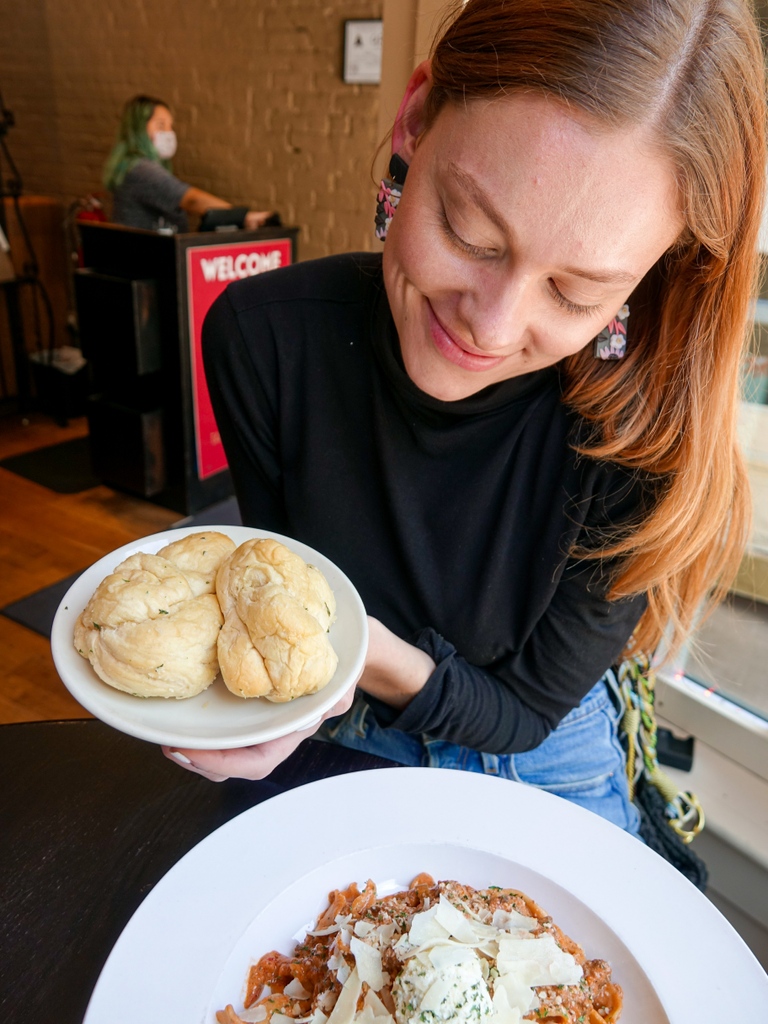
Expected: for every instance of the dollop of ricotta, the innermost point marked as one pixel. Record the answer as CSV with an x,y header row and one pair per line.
x,y
454,990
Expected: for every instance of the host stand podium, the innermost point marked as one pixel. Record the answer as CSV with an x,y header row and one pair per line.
x,y
141,300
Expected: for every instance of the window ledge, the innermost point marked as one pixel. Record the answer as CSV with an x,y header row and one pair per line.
x,y
734,731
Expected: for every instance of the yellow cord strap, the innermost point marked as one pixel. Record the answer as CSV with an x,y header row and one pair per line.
x,y
638,681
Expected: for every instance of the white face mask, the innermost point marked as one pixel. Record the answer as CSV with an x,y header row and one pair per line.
x,y
165,144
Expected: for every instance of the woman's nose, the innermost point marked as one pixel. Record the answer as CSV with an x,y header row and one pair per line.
x,y
497,308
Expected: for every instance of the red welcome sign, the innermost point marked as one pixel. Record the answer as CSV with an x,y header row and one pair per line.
x,y
210,268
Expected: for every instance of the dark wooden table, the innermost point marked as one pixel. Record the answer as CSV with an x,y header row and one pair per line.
x,y
90,821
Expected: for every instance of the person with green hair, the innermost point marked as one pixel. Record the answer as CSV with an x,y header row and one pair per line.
x,y
146,192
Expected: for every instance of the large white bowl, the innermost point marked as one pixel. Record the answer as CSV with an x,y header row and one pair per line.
x,y
215,719
255,883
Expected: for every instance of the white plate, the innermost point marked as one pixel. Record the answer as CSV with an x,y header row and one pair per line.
x,y
258,880
215,719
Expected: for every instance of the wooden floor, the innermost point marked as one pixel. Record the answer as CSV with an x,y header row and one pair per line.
x,y
45,536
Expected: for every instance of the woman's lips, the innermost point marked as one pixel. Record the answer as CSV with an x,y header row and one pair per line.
x,y
449,347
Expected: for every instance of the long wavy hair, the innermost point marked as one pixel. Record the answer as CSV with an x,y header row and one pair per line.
x,y
132,143
693,71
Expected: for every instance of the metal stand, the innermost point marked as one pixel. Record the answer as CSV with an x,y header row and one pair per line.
x,y
11,290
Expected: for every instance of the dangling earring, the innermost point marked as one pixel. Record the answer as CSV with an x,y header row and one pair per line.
x,y
611,342
390,191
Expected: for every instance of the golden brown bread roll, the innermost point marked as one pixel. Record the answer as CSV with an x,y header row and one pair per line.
x,y
151,627
277,613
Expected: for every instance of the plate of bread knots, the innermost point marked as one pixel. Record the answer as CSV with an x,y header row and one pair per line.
x,y
210,638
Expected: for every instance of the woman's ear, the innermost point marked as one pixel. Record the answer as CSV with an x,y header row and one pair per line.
x,y
409,122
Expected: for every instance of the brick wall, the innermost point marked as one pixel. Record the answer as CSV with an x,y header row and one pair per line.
x,y
262,115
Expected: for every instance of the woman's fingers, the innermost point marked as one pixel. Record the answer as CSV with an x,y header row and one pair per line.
x,y
180,757
340,707
255,218
254,762
241,763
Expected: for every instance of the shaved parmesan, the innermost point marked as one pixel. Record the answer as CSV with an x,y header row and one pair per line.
x,y
363,928
503,1012
425,929
336,962
514,990
368,963
365,1016
556,967
373,1011
459,926
385,932
346,1005
449,955
343,972
326,1001
377,1008
507,920
296,990
254,1015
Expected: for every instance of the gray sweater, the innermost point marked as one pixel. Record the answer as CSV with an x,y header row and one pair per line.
x,y
149,198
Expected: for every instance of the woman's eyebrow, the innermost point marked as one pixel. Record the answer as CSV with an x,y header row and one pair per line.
x,y
601,276
481,199
478,195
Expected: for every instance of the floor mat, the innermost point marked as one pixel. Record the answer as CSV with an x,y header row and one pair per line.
x,y
64,468
223,513
37,611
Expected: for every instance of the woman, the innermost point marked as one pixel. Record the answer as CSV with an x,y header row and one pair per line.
x,y
514,507
138,172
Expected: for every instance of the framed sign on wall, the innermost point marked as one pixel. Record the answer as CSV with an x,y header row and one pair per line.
x,y
362,51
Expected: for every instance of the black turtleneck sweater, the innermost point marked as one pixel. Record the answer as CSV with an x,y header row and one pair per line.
x,y
453,519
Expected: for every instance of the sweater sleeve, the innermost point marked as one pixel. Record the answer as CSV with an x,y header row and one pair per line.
x,y
513,704
512,709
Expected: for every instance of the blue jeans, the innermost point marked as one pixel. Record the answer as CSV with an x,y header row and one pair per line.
x,y
582,760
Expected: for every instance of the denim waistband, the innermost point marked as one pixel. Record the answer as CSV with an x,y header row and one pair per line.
x,y
581,760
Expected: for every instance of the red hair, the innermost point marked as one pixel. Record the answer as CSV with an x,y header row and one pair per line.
x,y
692,71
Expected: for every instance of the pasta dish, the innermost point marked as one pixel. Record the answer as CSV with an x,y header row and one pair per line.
x,y
435,953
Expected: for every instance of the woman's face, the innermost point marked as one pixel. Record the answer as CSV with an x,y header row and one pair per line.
x,y
161,121
519,235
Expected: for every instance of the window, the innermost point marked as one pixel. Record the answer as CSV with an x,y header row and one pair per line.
x,y
717,690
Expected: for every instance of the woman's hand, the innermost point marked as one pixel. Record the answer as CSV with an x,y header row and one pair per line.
x,y
255,218
395,671
250,762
